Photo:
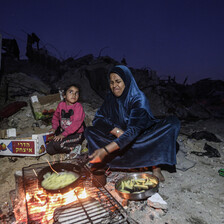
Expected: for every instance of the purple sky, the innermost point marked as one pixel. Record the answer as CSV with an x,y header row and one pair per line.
x,y
173,37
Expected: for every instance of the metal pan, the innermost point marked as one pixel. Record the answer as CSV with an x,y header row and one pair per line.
x,y
139,195
61,167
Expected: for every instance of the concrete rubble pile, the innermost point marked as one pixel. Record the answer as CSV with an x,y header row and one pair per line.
x,y
201,100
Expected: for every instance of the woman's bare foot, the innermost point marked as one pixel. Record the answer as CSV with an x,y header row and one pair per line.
x,y
157,172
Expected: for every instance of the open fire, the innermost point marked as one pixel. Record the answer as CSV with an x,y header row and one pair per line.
x,y
86,203
43,205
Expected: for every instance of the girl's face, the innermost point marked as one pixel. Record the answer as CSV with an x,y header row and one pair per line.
x,y
72,95
117,85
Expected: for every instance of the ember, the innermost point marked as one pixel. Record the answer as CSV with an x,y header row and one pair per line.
x,y
43,205
84,202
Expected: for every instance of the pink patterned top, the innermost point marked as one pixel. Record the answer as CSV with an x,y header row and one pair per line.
x,y
69,117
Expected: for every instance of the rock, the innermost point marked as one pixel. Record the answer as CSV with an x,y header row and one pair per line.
x,y
23,84
12,108
156,201
205,135
210,152
183,163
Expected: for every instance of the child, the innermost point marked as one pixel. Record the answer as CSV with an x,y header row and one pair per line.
x,y
67,123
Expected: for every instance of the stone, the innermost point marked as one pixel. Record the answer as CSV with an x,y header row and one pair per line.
x,y
156,201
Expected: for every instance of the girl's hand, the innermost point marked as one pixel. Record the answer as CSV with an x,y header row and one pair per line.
x,y
59,138
52,130
98,156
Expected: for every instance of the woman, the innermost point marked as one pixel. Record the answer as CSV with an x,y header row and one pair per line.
x,y
125,134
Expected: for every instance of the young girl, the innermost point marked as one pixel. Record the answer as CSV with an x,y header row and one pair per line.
x,y
67,123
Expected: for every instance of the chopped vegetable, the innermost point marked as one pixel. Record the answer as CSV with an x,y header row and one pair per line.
x,y
137,185
54,181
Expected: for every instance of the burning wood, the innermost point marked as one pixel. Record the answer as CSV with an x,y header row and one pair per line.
x,y
41,206
86,203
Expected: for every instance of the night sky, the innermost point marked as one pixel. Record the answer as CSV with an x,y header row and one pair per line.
x,y
174,37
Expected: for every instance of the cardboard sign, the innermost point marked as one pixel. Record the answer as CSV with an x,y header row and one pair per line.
x,y
25,147
22,147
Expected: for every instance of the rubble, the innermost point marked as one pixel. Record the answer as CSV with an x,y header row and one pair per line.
x,y
205,135
201,100
209,152
156,201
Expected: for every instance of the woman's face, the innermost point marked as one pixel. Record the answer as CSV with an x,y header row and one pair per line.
x,y
117,85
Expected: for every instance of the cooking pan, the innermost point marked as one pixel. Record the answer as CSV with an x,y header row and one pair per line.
x,y
61,167
137,195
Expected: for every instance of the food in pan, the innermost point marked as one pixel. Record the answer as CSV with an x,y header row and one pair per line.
x,y
137,185
55,181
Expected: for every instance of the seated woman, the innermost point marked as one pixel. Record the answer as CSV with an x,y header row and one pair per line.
x,y
125,134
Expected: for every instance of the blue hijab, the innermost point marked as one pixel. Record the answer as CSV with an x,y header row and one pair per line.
x,y
131,92
129,112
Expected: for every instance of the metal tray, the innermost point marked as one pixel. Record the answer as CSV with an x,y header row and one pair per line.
x,y
140,195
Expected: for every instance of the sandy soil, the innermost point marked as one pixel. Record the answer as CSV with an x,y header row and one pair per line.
x,y
195,196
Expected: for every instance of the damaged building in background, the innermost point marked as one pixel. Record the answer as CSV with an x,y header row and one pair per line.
x,y
45,74
10,48
39,55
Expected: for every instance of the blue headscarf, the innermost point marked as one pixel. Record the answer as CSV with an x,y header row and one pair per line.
x,y
131,92
129,110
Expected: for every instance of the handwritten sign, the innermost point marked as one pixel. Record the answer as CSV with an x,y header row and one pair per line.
x,y
24,147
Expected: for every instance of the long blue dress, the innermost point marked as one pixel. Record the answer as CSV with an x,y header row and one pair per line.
x,y
146,141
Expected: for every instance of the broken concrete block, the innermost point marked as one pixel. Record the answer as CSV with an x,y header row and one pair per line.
x,y
156,201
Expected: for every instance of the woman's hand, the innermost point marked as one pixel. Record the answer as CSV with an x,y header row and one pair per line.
x,y
59,138
98,156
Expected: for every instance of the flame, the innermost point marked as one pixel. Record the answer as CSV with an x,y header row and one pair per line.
x,y
83,194
41,205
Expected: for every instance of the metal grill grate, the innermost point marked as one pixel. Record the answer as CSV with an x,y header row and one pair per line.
x,y
99,207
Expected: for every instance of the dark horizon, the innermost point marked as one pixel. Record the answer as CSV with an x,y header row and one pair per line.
x,y
175,38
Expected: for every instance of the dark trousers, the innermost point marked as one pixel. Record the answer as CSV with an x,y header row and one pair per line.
x,y
66,145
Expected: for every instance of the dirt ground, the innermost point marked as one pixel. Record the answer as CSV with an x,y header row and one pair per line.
x,y
193,196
